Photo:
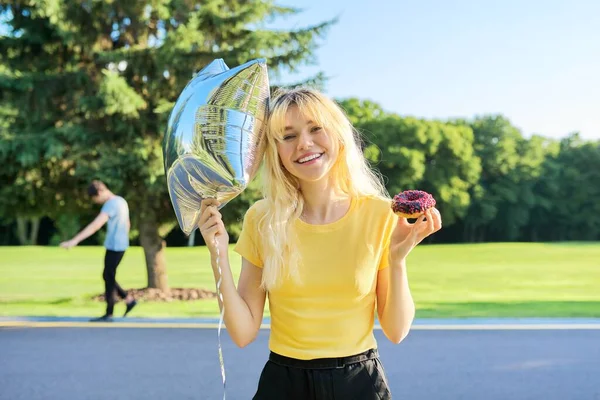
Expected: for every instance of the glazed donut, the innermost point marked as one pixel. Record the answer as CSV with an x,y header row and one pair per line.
x,y
412,203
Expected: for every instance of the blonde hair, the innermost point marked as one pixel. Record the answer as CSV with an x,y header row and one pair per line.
x,y
283,202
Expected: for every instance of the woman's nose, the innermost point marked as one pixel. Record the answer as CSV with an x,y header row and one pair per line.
x,y
305,141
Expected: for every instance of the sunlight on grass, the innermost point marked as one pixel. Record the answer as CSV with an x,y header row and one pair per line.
x,y
502,279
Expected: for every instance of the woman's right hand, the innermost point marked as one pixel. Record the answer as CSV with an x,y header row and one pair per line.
x,y
211,226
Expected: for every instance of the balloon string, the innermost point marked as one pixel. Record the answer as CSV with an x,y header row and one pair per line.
x,y
220,295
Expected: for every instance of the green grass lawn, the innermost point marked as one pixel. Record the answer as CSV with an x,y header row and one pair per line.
x,y
482,280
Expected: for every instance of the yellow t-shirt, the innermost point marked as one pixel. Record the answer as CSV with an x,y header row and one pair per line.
x,y
330,312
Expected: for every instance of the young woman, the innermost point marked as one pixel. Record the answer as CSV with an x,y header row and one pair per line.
x,y
326,247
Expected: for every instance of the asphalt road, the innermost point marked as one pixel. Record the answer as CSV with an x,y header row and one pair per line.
x,y
171,363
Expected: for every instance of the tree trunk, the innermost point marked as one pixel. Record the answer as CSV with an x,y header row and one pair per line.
x,y
154,251
28,238
468,229
33,233
22,230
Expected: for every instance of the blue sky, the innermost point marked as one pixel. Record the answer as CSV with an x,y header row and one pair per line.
x,y
536,62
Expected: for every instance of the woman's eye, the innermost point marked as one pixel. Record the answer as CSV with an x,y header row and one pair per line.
x,y
288,137
315,129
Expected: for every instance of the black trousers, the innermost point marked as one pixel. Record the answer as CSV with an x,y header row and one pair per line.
x,y
111,262
358,377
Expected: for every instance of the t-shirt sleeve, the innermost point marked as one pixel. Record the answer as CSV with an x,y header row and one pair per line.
x,y
388,227
109,208
247,244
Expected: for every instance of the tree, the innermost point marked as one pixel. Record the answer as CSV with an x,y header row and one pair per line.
x,y
519,196
495,142
361,111
571,181
87,86
427,155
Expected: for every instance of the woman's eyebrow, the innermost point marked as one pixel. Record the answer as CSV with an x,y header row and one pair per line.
x,y
289,128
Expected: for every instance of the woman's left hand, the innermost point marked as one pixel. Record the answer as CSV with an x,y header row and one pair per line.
x,y
406,235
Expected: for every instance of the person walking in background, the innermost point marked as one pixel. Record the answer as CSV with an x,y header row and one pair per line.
x,y
115,211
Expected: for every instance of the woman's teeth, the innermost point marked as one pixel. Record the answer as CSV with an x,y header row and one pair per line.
x,y
309,158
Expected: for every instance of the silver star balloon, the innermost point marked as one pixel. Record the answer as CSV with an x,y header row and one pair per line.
x,y
214,141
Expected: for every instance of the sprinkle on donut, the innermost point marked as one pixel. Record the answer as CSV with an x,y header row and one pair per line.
x,y
412,203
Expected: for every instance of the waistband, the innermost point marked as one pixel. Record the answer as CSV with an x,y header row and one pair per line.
x,y
323,363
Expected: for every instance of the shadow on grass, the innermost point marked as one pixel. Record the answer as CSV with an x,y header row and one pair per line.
x,y
510,309
64,300
570,244
57,301
196,309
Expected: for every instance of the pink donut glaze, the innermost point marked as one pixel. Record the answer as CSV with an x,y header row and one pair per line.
x,y
411,202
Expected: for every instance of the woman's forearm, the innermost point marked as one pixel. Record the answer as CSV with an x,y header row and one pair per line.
x,y
238,317
397,316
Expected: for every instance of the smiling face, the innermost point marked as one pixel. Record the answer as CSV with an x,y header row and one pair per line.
x,y
305,149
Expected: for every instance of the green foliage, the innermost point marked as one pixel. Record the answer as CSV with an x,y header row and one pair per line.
x,y
118,97
429,155
66,226
361,111
491,183
86,89
571,178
